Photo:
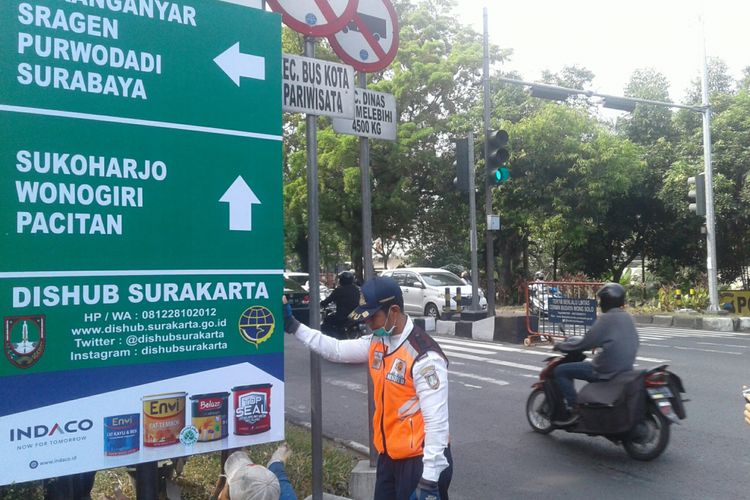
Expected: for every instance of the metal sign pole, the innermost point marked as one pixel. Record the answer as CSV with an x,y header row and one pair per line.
x,y
147,481
313,249
369,269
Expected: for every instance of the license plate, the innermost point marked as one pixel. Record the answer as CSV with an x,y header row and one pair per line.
x,y
659,392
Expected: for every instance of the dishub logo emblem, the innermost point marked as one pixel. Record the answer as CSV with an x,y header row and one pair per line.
x,y
256,324
24,339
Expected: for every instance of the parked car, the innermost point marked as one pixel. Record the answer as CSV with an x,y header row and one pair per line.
x,y
303,279
424,290
299,300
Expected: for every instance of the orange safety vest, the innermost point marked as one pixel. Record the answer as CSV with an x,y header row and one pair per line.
x,y
398,423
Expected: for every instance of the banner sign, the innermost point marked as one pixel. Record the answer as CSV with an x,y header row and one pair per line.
x,y
374,116
735,301
572,311
317,87
141,233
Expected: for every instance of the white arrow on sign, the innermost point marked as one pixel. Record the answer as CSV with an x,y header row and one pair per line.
x,y
236,64
241,200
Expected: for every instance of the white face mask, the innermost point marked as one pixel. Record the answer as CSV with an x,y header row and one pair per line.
x,y
382,332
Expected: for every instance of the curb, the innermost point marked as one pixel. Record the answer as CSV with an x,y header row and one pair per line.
x,y
352,445
512,328
696,322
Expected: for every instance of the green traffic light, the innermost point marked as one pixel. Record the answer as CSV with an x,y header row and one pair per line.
x,y
500,174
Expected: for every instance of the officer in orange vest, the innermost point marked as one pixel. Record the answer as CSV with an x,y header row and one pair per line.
x,y
410,378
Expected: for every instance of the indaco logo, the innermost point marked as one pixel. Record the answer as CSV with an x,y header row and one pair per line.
x,y
55,430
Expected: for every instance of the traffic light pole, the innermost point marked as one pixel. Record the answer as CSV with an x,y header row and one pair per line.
x,y
713,288
627,104
473,224
489,235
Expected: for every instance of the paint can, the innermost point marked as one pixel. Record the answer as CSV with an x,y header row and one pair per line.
x,y
163,418
122,434
209,414
252,409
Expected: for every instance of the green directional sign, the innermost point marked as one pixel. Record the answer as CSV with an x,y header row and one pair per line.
x,y
141,226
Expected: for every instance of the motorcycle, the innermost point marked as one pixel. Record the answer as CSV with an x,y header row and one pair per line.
x,y
539,295
330,326
635,408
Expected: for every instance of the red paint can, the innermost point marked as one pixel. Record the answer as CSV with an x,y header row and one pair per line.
x,y
252,409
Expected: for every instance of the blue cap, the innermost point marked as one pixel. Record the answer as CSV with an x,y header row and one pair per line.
x,y
376,293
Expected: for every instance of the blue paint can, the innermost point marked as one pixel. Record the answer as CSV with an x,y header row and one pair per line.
x,y
122,434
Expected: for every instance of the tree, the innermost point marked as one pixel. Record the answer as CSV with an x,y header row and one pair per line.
x,y
648,123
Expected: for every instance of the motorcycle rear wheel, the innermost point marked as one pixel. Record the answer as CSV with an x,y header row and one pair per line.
x,y
538,412
649,438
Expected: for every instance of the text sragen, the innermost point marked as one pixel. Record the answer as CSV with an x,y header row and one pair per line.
x,y
63,49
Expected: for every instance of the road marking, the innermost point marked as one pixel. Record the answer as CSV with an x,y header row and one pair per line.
x,y
449,345
722,345
450,348
477,377
469,386
669,332
652,360
705,350
352,386
496,362
485,345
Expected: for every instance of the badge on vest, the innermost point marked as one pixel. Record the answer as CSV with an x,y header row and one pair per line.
x,y
397,371
431,376
377,360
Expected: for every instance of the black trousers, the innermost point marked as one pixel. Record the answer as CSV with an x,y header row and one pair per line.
x,y
397,479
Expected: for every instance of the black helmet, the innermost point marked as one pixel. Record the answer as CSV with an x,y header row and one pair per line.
x,y
611,295
346,278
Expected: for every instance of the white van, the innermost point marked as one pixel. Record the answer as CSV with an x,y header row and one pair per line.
x,y
424,290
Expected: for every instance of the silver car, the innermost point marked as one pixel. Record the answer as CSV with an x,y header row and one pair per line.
x,y
424,290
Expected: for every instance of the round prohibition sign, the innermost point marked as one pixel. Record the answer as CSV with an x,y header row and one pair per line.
x,y
315,17
369,41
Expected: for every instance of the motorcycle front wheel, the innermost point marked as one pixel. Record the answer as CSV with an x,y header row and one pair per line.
x,y
649,438
538,412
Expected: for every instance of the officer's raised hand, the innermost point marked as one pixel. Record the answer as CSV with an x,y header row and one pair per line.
x,y
426,490
747,413
290,322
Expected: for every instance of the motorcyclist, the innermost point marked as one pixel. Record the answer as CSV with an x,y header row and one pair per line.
x,y
616,337
537,292
346,298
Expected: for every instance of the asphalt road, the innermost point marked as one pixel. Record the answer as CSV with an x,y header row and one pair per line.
x,y
497,455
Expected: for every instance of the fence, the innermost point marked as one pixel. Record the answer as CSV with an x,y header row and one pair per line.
x,y
559,309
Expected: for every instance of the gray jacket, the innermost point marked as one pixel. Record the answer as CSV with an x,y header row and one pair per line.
x,y
615,335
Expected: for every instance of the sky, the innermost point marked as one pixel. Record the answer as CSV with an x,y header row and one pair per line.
x,y
612,38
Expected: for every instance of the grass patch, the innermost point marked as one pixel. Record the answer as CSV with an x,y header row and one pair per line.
x,y
201,471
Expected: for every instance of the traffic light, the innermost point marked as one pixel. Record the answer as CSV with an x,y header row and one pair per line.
x,y
461,181
697,194
497,156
